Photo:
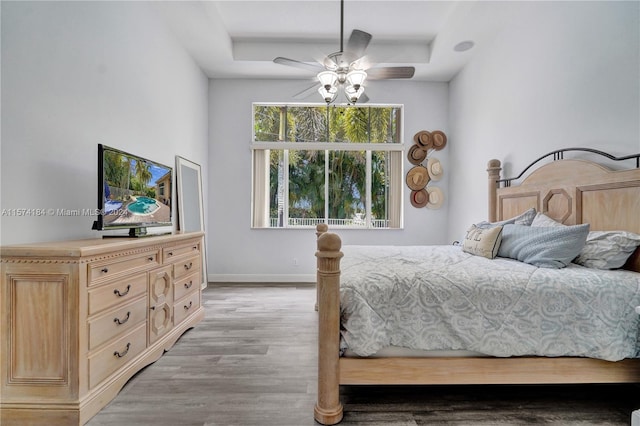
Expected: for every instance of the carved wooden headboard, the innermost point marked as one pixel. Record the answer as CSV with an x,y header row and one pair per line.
x,y
573,192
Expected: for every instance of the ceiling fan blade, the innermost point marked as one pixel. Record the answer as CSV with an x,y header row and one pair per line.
x,y
356,45
384,73
306,92
293,63
363,99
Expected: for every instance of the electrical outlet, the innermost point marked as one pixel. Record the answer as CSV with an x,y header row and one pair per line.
x,y
295,261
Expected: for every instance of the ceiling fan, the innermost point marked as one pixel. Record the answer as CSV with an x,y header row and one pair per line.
x,y
344,68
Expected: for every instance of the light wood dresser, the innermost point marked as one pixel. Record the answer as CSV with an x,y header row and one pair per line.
x,y
80,318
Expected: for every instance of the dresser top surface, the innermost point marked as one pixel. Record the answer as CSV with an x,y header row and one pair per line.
x,y
89,247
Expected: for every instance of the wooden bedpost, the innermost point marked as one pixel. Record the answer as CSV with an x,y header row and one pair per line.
x,y
493,168
321,228
328,410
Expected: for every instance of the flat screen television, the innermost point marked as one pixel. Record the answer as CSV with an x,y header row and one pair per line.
x,y
133,193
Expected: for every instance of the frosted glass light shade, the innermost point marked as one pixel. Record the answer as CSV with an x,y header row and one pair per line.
x,y
328,95
353,94
356,78
327,79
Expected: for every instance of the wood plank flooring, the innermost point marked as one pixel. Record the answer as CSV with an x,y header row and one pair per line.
x,y
252,361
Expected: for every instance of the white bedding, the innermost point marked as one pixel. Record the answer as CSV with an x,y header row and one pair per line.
x,y
440,298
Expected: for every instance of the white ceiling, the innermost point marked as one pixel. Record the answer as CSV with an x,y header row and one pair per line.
x,y
240,39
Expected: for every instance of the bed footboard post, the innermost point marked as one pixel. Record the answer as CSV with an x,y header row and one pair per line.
x,y
493,168
328,410
321,228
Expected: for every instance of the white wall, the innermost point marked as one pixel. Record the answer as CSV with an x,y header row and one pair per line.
x,y
239,253
560,75
75,74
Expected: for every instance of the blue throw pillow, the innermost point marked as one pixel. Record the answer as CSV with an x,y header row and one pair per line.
x,y
545,247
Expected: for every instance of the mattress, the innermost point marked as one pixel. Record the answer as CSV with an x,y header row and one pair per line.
x,y
441,298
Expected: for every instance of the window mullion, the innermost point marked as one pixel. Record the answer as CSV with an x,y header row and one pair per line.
x,y
326,186
368,184
285,214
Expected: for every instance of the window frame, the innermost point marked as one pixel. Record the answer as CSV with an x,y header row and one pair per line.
x,y
367,147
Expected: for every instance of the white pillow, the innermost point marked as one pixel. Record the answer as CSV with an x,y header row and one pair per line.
x,y
603,249
542,219
607,249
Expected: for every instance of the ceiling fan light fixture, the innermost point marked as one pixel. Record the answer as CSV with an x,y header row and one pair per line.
x,y
353,93
343,70
356,78
328,95
327,79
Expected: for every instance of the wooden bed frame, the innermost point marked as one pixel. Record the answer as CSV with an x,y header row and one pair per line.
x,y
570,191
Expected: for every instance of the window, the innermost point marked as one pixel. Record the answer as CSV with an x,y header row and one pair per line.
x,y
340,165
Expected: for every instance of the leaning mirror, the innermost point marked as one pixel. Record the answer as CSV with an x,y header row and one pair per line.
x,y
190,203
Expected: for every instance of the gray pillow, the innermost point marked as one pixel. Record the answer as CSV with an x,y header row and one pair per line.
x,y
525,218
545,247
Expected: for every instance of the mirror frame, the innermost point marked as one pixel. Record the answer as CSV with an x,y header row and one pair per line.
x,y
185,166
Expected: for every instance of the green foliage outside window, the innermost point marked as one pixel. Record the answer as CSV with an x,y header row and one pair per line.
x,y
346,168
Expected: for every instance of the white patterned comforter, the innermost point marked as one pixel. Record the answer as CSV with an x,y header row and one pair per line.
x,y
440,298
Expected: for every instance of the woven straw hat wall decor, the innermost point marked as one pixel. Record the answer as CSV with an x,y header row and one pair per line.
x,y
425,170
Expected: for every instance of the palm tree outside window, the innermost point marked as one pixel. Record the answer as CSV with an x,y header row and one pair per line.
x,y
340,165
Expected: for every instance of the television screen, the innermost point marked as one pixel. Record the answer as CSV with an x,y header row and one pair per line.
x,y
133,192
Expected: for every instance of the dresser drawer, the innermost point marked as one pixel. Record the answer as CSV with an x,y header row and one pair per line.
x,y
186,267
116,322
185,285
103,270
174,252
185,307
116,354
123,291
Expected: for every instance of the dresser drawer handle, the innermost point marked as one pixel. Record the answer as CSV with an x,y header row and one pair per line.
x,y
104,270
170,253
189,266
119,321
121,354
188,285
195,247
117,292
186,308
151,258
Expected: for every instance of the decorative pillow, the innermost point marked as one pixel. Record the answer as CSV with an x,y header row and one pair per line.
x,y
525,218
603,249
607,249
483,241
545,247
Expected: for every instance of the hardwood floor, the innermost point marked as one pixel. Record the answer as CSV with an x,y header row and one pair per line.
x,y
252,361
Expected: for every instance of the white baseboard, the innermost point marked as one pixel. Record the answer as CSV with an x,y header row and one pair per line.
x,y
261,278
635,418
